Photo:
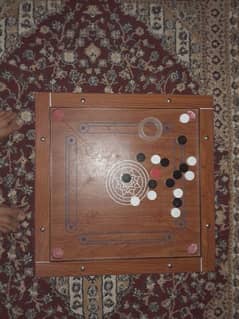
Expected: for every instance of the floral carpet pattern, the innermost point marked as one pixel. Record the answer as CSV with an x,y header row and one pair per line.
x,y
174,46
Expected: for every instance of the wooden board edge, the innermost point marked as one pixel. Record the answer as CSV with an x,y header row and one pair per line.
x,y
159,265
157,101
42,169
207,190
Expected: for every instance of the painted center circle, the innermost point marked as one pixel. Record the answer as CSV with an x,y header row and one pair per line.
x,y
127,179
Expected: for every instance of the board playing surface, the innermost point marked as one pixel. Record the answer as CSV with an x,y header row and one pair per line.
x,y
125,183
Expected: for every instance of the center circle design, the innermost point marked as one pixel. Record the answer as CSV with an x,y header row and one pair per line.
x,y
121,192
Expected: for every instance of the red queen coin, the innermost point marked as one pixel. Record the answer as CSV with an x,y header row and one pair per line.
x,y
155,173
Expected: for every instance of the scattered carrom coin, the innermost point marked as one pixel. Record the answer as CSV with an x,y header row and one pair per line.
x,y
140,157
182,140
184,118
191,160
151,195
164,162
135,201
155,172
183,167
152,183
175,212
126,178
170,182
177,202
177,174
155,159
189,175
178,193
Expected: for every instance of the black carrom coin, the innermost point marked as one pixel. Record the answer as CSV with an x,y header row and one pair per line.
x,y
126,178
177,174
140,157
183,167
182,140
170,182
164,162
177,202
152,184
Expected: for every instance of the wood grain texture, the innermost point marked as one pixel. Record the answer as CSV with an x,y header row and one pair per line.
x,y
136,266
207,190
131,100
42,193
83,226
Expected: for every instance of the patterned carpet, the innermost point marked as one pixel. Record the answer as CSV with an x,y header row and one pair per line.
x,y
173,46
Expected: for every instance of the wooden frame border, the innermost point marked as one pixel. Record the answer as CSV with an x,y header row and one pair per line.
x,y
42,178
155,101
43,265
207,189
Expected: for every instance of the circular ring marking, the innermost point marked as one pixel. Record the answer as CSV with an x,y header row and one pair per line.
x,y
152,121
121,192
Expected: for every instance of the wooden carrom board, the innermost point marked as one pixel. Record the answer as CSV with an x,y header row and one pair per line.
x,y
124,184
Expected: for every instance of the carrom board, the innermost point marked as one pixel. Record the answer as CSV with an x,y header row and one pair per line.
x,y
124,184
